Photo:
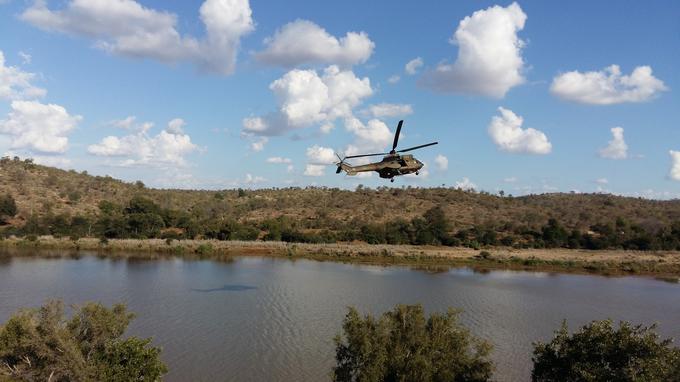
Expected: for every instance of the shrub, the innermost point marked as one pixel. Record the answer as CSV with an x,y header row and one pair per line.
x,y
600,352
205,249
402,345
8,207
41,344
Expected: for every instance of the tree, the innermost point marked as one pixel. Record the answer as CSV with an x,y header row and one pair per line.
x,y
600,352
41,344
402,345
8,207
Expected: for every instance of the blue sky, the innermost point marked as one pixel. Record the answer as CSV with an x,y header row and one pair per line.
x,y
252,88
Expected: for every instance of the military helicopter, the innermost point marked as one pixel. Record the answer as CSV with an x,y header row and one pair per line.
x,y
393,164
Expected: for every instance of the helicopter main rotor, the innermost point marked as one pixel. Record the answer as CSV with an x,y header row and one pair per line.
x,y
394,146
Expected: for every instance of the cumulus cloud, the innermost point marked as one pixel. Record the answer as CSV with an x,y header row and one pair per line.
x,y
304,98
412,66
127,28
39,127
675,165
25,57
279,160
315,170
302,41
15,84
369,137
507,133
617,147
442,162
321,155
489,61
393,79
250,179
465,184
602,181
608,86
165,149
382,110
176,126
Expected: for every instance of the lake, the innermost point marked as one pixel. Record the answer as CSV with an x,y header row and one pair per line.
x,y
272,319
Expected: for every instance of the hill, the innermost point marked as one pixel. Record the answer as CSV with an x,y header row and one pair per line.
x,y
48,200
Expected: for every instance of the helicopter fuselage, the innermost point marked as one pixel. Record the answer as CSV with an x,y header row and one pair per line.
x,y
390,166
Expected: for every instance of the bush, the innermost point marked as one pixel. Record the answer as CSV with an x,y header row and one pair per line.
x,y
41,344
205,249
8,207
404,346
600,352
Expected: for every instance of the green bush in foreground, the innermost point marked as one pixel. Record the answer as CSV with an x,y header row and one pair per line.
x,y
402,345
42,345
600,352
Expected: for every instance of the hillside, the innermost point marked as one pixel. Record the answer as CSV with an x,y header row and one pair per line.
x,y
43,192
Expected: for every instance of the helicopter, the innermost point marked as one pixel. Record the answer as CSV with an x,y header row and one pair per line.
x,y
393,163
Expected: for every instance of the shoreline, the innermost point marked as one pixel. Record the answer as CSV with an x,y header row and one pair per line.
x,y
664,265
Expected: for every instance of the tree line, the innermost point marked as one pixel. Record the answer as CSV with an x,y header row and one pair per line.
x,y
142,218
400,345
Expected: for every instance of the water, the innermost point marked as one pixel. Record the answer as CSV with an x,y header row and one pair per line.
x,y
256,319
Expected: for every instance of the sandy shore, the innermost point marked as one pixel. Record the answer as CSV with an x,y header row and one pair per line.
x,y
659,264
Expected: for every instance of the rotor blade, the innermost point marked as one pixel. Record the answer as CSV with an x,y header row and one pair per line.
x,y
417,147
365,155
396,135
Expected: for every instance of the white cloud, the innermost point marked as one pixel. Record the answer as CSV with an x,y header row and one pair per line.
x,y
393,79
489,59
25,57
125,27
258,143
465,184
15,84
382,110
602,181
305,99
372,136
250,179
321,155
412,66
176,126
617,147
442,162
166,149
279,160
608,86
318,158
39,127
302,41
507,133
511,179
326,128
675,165
315,170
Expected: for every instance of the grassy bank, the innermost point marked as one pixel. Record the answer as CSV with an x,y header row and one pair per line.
x,y
658,264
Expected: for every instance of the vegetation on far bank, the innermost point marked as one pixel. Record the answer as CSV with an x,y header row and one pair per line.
x,y
37,200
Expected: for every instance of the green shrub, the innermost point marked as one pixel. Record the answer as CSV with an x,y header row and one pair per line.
x,y
205,249
43,345
600,352
402,345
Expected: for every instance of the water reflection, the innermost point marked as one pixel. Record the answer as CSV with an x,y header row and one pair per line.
x,y
227,288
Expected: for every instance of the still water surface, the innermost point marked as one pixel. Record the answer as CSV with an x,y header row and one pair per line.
x,y
266,319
